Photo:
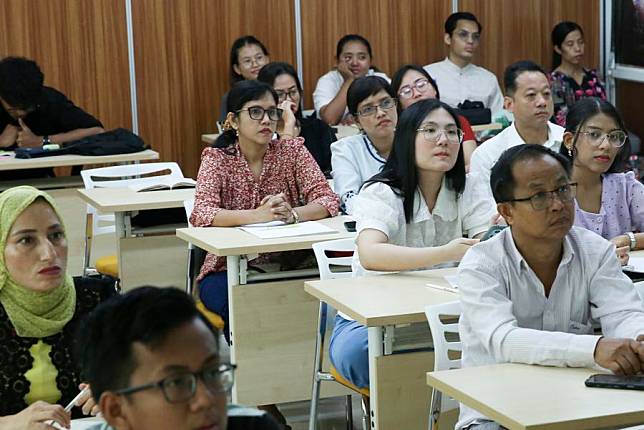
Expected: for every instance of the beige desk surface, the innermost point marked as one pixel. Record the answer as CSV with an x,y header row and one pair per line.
x,y
396,298
340,132
224,241
485,127
521,396
12,163
124,199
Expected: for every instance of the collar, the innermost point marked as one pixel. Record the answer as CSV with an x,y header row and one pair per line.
x,y
516,258
371,149
445,207
514,136
455,68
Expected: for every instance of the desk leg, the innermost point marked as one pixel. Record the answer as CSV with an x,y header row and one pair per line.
x,y
376,338
232,267
119,227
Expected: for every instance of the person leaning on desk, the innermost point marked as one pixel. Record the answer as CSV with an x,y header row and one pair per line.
x,y
531,293
33,115
40,309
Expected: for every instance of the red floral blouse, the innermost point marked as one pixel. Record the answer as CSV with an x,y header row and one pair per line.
x,y
225,181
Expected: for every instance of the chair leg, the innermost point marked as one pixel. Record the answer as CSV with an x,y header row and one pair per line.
x,y
349,411
88,243
317,368
189,271
435,409
366,412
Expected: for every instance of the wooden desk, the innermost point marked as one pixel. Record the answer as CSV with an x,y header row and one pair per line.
x,y
486,127
152,256
386,304
12,163
526,397
272,323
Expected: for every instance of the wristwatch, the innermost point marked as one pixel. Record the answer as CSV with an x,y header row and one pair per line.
x,y
631,237
45,140
296,216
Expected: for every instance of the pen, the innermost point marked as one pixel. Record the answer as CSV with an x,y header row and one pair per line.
x,y
69,406
443,288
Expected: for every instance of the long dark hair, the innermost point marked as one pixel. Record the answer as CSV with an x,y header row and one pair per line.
x,y
271,71
234,55
240,94
396,81
558,36
577,117
400,171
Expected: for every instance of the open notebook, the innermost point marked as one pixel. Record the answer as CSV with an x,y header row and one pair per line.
x,y
167,183
275,229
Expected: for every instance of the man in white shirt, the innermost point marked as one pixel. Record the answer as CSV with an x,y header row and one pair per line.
x,y
531,293
528,97
457,78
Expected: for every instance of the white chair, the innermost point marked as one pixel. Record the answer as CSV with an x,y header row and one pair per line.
x,y
325,266
115,177
443,334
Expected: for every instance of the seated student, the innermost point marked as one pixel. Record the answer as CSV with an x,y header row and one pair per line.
x,y
353,55
33,115
247,57
317,135
247,177
529,98
412,216
412,84
530,294
570,80
153,362
41,308
458,78
357,158
608,202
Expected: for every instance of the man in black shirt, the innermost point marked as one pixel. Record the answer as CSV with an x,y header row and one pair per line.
x,y
32,115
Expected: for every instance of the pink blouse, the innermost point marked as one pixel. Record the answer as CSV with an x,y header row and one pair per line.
x,y
225,181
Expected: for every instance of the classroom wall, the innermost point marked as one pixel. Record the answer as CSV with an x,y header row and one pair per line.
x,y
182,49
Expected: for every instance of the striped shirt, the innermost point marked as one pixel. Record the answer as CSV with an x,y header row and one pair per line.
x,y
507,317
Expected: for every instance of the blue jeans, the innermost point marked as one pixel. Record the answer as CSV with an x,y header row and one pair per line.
x,y
349,351
213,292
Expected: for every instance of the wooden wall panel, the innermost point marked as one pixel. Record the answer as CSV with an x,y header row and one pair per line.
x,y
520,29
81,47
182,53
402,31
629,102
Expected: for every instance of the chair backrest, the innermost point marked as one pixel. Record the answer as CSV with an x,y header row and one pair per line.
x,y
325,262
189,205
444,335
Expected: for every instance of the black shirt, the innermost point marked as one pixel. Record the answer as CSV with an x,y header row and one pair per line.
x,y
318,137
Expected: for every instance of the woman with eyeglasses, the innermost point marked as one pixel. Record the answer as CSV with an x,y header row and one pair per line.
x,y
570,80
247,56
608,202
412,83
248,177
317,135
412,215
357,158
353,60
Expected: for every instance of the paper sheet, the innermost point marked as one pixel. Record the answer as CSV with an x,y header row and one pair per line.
x,y
635,264
287,230
452,287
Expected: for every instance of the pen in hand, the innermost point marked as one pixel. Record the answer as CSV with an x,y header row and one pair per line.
x,y
69,406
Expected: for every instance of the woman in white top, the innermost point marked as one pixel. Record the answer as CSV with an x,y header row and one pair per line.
x,y
413,215
353,55
354,159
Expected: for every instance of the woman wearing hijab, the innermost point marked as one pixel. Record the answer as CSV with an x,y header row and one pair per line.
x,y
41,307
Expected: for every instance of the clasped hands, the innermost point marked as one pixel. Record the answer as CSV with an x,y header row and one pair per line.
x,y
276,208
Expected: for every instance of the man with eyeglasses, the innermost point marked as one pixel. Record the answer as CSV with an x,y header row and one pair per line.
x,y
529,98
457,78
33,115
153,362
530,294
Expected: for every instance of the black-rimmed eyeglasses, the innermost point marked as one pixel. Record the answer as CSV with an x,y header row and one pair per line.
x,y
543,200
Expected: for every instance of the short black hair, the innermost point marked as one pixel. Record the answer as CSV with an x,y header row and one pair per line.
x,y
351,38
21,82
501,179
452,21
365,87
513,71
145,315
234,54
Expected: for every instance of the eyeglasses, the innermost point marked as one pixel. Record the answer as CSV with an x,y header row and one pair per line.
x,y
543,200
257,113
384,105
615,138
408,90
259,59
182,387
292,93
465,36
433,134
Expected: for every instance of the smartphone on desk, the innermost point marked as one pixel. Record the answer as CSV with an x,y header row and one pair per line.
x,y
622,382
493,231
350,226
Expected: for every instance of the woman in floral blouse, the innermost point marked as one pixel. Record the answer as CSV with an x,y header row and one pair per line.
x,y
570,80
248,177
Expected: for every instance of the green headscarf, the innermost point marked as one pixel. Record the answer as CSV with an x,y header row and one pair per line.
x,y
32,313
